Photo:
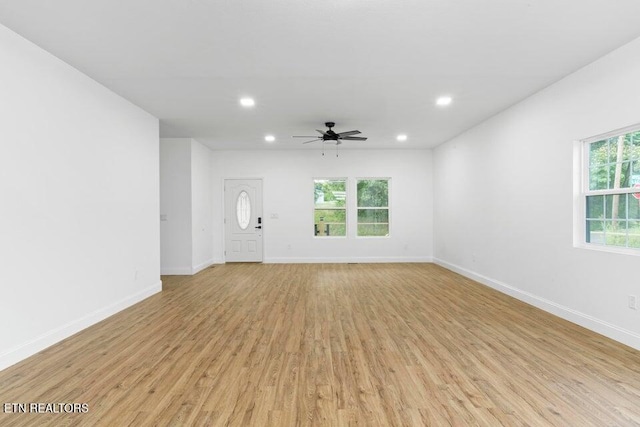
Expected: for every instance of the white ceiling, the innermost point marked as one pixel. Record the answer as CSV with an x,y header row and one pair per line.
x,y
372,65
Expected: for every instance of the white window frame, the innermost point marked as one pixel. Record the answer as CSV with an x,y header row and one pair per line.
x,y
355,197
582,191
346,206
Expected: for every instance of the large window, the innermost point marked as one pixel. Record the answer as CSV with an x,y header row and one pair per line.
x,y
373,207
611,188
330,207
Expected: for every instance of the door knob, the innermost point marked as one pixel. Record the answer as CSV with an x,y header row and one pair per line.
x,y
260,227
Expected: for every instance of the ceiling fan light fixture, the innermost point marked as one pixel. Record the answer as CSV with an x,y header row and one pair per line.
x,y
444,101
247,102
330,136
270,138
402,137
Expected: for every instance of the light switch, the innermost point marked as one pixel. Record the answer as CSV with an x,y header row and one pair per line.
x,y
163,217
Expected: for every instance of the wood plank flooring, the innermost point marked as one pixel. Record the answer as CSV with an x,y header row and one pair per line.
x,y
330,345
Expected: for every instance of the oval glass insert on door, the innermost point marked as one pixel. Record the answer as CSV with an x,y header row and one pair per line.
x,y
243,210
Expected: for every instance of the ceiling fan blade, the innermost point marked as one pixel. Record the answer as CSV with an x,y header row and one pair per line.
x,y
348,133
322,132
354,138
304,136
313,140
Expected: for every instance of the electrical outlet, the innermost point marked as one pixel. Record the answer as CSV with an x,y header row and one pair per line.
x,y
633,302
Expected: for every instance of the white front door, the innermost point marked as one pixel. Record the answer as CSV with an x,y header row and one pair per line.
x,y
243,220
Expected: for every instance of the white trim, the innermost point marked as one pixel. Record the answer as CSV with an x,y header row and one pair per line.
x,y
342,260
612,191
22,351
611,134
177,271
198,268
609,248
578,185
602,327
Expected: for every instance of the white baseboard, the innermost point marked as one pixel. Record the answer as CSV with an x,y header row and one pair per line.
x,y
597,325
198,268
338,260
179,271
22,351
186,271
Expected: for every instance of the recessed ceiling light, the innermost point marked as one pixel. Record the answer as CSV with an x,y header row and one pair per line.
x,y
269,138
444,100
401,137
247,102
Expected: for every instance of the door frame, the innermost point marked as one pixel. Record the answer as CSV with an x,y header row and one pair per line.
x,y
224,214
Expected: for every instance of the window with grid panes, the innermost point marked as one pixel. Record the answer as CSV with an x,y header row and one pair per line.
x,y
330,207
373,207
611,189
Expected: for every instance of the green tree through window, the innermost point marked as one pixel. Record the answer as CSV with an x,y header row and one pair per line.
x,y
330,212
373,207
613,176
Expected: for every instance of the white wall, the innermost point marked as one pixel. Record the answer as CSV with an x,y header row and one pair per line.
x,y
288,193
79,229
185,206
175,205
504,201
201,206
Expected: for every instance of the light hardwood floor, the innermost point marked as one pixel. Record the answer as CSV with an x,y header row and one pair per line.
x,y
329,344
